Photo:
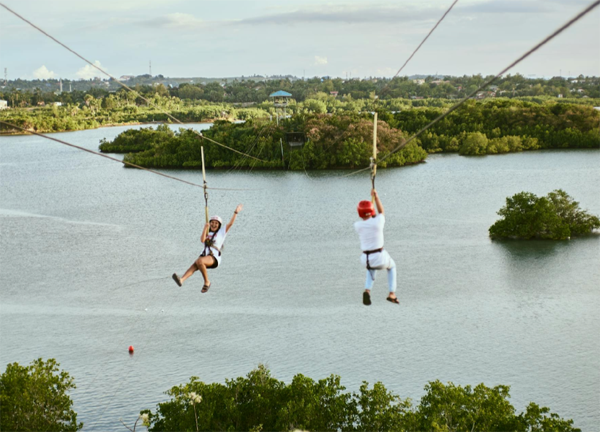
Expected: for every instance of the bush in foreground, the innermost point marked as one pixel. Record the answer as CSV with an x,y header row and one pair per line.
x,y
34,398
260,402
556,216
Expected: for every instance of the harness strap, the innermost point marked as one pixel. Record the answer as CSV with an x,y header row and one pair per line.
x,y
369,253
208,244
210,252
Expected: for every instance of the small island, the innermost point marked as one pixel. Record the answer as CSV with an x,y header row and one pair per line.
x,y
556,217
311,141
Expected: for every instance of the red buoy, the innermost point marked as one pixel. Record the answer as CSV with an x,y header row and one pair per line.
x,y
130,349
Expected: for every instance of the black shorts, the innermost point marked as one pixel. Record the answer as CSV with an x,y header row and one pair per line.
x,y
215,263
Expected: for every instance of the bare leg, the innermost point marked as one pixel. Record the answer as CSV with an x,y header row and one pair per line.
x,y
201,264
189,272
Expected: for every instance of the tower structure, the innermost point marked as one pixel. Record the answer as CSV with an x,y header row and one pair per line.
x,y
280,101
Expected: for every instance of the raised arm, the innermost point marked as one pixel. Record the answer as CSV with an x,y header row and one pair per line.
x,y
235,213
204,233
375,195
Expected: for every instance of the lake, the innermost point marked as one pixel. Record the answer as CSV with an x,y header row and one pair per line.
x,y
88,249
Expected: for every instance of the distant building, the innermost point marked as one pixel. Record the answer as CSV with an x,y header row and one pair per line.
x,y
419,81
280,101
3,104
560,95
126,77
333,93
57,103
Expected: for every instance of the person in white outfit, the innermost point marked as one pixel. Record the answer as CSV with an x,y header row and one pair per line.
x,y
374,257
213,237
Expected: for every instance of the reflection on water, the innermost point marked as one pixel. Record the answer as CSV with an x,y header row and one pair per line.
x,y
523,251
288,292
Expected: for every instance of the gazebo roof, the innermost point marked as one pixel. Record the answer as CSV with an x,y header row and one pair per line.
x,y
280,93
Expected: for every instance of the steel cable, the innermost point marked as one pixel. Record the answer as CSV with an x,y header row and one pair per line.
x,y
114,159
487,83
119,82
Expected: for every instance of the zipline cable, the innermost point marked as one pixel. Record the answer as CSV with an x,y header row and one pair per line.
x,y
204,184
120,83
487,83
112,158
374,158
417,49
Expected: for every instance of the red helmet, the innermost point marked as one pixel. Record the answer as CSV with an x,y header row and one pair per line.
x,y
365,209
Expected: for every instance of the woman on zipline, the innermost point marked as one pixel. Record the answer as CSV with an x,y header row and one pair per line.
x,y
374,257
213,236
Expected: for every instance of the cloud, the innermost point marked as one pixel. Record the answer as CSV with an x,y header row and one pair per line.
x,y
320,60
174,20
88,72
43,73
347,15
507,6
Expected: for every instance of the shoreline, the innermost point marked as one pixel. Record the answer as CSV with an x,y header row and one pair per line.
x,y
105,126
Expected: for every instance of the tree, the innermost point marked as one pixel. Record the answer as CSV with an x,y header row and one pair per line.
x,y
34,398
556,217
260,402
456,408
579,221
475,144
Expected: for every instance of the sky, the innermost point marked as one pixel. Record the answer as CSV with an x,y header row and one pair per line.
x,y
305,38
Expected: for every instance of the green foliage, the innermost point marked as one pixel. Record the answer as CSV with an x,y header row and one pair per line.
x,y
132,140
34,398
261,402
583,90
508,125
475,143
342,141
556,217
455,408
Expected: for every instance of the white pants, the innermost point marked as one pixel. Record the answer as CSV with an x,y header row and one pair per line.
x,y
380,261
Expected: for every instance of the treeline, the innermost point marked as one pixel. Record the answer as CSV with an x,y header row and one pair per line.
x,y
260,402
501,126
120,109
258,90
329,142
344,140
36,398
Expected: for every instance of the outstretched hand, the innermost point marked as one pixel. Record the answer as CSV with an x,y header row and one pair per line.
x,y
374,193
239,208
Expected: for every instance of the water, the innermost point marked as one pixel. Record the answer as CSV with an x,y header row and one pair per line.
x,y
88,248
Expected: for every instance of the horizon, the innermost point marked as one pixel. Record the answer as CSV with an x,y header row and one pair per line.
x,y
294,77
